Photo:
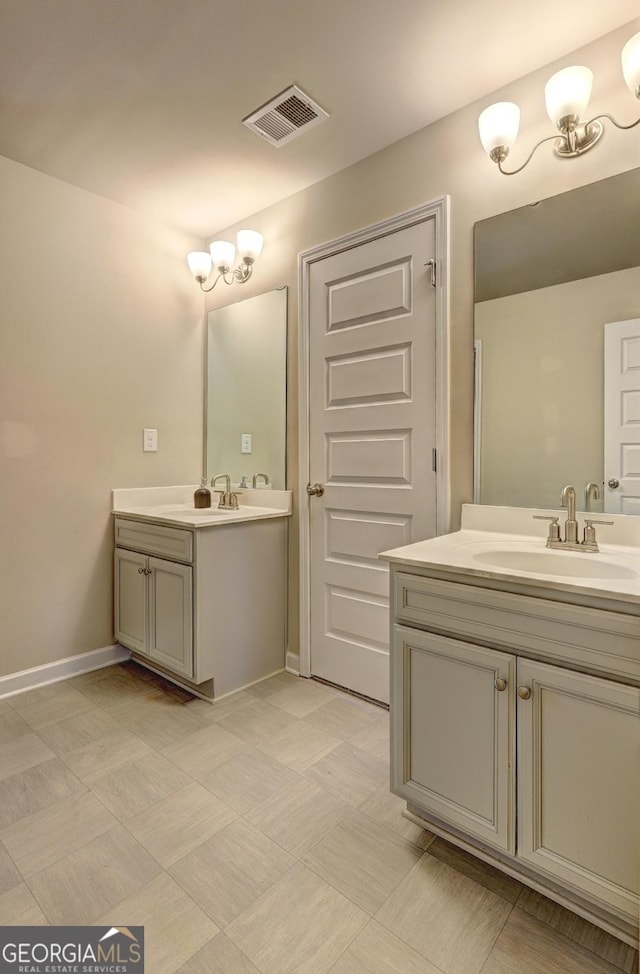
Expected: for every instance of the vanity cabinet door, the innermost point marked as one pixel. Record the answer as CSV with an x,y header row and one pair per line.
x,y
171,615
579,782
131,600
453,733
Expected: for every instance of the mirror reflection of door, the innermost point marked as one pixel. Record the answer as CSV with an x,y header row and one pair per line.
x,y
622,417
246,397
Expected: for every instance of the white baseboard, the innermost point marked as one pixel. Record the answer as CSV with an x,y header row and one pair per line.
x,y
292,663
62,669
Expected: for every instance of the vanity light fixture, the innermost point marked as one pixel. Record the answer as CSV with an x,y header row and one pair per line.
x,y
567,95
222,255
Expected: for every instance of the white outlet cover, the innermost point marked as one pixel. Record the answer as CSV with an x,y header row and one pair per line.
x,y
150,441
245,443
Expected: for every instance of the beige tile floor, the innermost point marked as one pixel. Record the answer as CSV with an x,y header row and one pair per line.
x,y
257,836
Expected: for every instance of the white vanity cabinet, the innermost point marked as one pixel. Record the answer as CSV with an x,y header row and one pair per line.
x,y
153,609
501,741
204,605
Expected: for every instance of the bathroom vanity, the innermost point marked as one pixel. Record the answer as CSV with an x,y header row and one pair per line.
x,y
515,698
200,594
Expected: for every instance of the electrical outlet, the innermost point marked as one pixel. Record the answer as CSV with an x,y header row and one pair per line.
x,y
150,441
245,443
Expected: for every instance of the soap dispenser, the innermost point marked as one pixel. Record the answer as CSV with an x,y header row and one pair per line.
x,y
202,496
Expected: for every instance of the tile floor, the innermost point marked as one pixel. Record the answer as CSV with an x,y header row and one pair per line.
x,y
257,836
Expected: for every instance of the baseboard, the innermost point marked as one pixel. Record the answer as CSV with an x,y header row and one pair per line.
x,y
61,669
292,663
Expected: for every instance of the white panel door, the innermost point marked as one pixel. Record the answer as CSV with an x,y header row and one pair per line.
x,y
622,416
372,432
579,782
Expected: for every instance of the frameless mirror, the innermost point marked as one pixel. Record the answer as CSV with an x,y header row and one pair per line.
x,y
548,279
246,389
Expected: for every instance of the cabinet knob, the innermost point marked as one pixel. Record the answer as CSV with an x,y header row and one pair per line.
x,y
141,571
524,693
500,684
614,483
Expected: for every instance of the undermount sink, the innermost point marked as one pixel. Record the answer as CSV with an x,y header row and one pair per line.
x,y
547,562
208,511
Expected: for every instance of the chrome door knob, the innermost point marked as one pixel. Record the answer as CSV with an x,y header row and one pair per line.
x,y
613,483
315,490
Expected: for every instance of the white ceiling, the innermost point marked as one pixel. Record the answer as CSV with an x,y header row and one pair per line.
x,y
141,101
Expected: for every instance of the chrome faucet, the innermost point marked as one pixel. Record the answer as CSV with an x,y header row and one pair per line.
x,y
264,476
554,540
568,500
228,500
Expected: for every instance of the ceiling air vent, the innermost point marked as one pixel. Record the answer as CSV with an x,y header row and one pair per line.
x,y
286,116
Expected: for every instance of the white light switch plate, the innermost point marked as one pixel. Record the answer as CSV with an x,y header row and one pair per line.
x,y
245,443
150,441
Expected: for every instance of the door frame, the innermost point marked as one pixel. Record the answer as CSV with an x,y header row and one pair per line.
x,y
437,209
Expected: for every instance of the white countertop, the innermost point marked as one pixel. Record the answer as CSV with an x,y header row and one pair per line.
x,y
464,552
174,505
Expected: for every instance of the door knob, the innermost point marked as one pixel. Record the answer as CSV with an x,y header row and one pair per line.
x,y
613,483
315,490
524,693
500,684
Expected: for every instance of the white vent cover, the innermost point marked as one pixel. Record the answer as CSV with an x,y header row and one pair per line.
x,y
286,116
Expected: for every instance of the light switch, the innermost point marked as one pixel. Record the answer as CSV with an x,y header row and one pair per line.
x,y
245,443
150,441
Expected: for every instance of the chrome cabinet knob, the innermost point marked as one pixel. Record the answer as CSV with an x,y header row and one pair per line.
x,y
315,490
613,483
524,693
500,684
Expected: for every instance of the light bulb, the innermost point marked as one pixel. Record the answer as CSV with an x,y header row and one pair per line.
x,y
199,264
249,244
498,125
568,92
222,254
631,65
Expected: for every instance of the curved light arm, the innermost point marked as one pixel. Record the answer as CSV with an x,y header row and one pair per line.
x,y
512,172
617,124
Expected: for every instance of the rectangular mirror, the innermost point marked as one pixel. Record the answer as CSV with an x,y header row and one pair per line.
x,y
246,390
549,278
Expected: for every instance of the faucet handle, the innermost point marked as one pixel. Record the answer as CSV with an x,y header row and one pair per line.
x,y
554,526
590,531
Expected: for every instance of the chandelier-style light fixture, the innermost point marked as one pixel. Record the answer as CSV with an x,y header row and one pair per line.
x,y
567,95
222,256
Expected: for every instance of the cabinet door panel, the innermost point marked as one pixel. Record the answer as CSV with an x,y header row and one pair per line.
x,y
579,782
453,733
130,600
171,615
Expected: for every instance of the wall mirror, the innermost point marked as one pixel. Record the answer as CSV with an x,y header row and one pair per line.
x,y
246,389
548,279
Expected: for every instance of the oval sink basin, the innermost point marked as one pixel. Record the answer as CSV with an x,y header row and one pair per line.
x,y
210,511
578,565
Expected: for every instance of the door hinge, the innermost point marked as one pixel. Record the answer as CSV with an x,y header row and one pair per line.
x,y
432,264
434,460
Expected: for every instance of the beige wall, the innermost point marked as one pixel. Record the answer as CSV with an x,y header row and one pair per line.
x,y
445,158
100,336
543,388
